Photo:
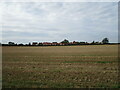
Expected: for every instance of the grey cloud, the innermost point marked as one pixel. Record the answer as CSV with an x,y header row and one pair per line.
x,y
55,21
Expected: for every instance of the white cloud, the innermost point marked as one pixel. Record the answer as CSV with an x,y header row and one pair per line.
x,y
59,20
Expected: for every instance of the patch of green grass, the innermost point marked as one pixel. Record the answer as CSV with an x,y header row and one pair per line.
x,y
61,85
103,85
107,86
88,62
104,61
25,84
72,62
116,86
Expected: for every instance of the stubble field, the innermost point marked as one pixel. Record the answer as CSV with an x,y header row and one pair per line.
x,y
60,66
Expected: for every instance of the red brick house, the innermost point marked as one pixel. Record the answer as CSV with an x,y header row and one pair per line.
x,y
46,43
34,43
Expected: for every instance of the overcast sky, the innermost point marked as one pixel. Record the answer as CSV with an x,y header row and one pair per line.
x,y
48,22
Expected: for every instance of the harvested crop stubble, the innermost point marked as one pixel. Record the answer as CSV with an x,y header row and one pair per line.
x,y
60,66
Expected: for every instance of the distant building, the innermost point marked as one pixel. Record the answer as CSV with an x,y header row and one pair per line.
x,y
34,43
70,43
75,43
54,43
82,43
46,43
61,44
40,44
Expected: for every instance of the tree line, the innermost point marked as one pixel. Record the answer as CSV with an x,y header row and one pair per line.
x,y
65,42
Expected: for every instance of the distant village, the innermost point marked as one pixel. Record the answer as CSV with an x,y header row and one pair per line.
x,y
65,42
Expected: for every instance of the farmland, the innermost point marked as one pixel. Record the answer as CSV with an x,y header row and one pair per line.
x,y
60,66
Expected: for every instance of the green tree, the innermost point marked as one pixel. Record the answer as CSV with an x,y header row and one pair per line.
x,y
93,42
65,41
105,41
